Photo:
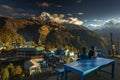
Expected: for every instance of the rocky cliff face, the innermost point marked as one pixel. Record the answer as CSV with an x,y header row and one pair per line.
x,y
49,34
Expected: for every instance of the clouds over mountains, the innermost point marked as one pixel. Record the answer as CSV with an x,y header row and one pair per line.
x,y
60,18
109,23
10,11
43,4
6,8
31,7
56,11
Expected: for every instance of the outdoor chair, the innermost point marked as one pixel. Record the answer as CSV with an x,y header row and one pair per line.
x,y
60,73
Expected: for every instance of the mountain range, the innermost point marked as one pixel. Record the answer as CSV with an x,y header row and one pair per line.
x,y
48,34
108,28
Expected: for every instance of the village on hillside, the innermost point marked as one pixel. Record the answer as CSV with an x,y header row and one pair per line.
x,y
37,59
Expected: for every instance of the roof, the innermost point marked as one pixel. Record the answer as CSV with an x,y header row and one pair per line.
x,y
39,48
31,49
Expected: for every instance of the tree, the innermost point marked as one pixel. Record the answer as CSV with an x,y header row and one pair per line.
x,y
18,73
4,74
18,70
11,69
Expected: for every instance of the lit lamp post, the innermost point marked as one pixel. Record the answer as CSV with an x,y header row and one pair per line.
x,y
113,49
112,45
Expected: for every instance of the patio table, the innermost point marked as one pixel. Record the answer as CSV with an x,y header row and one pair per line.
x,y
86,66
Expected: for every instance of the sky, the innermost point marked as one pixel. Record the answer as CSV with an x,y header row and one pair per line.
x,y
80,12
